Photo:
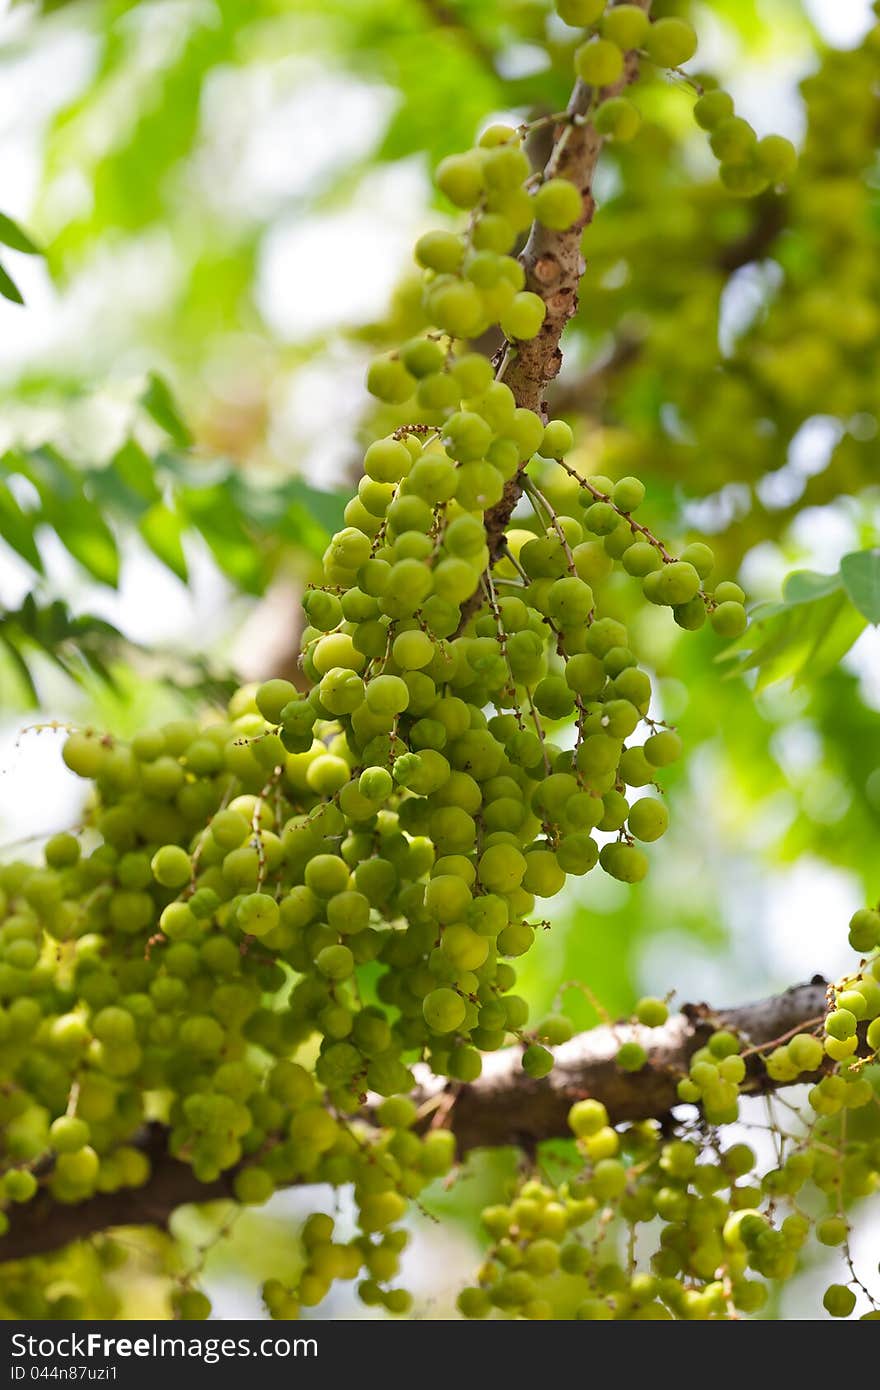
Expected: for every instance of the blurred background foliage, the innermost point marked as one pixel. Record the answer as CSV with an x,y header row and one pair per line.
x,y
225,193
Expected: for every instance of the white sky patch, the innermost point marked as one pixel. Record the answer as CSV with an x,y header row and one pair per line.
x,y
287,128
330,387
38,795
806,911
151,605
843,23
340,268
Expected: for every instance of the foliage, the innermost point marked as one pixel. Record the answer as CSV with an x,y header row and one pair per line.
x,y
815,625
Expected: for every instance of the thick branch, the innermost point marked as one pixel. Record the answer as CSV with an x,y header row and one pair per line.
x,y
503,1107
554,264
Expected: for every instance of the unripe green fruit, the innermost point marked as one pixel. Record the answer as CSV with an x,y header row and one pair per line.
x,y
663,748
84,754
625,25
587,1117
641,558
190,1305
598,62
524,316
726,592
744,179
387,695
67,1134
670,42
257,914
776,157
444,1010
388,380
631,1056
864,929
460,177
675,583
61,851
413,650
833,1230
700,556
729,619
272,696
554,1030
648,819
652,1013
171,866
724,1043
558,439
336,962
733,140
19,1185
624,862
79,1169
253,1186
443,251
839,1300
579,13
617,119
806,1052
537,1061
375,783
558,204
840,1024
711,108
628,494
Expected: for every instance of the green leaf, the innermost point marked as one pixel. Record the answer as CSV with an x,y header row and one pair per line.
x,y
84,533
9,289
134,470
12,236
798,641
326,508
803,586
237,553
162,529
860,573
21,666
17,527
159,403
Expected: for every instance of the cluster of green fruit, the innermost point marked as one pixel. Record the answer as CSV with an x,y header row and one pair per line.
x,y
272,913
747,165
473,282
640,1225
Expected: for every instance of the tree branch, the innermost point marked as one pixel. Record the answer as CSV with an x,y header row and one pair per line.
x,y
504,1106
554,264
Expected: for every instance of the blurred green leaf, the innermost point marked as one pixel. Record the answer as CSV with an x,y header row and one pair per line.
x,y
84,533
12,236
802,638
77,520
860,573
327,508
8,288
17,527
221,526
162,530
159,403
78,644
805,586
135,469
